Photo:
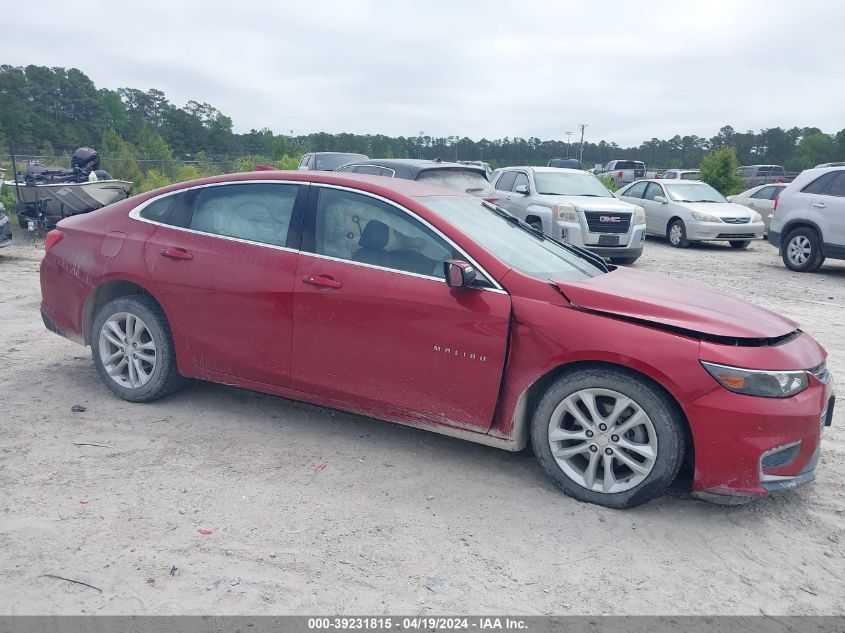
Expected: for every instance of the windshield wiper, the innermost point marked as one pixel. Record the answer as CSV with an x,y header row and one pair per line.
x,y
583,253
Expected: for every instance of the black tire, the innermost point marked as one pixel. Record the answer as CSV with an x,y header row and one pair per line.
x,y
804,236
164,378
740,244
665,416
681,241
624,260
537,225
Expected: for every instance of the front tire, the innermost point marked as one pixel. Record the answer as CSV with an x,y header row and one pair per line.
x,y
132,347
609,437
677,234
740,244
624,260
801,251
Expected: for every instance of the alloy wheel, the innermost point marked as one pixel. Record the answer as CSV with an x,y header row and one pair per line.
x,y
799,250
603,440
127,350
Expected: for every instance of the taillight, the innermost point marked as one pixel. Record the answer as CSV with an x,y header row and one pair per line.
x,y
775,208
53,237
619,174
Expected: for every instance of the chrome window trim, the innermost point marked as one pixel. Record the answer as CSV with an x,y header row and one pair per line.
x,y
135,214
422,221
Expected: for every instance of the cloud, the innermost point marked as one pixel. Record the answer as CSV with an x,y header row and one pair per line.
x,y
490,69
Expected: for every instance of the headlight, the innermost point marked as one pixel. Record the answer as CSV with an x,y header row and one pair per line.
x,y
704,217
757,218
566,212
752,382
639,215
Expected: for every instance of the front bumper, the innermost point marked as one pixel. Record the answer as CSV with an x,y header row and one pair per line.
x,y
751,446
630,243
5,231
717,231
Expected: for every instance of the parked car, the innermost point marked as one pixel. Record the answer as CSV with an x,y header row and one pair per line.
x,y
465,177
573,206
680,174
327,161
480,163
624,171
809,219
435,309
568,163
754,175
5,227
687,211
838,164
761,199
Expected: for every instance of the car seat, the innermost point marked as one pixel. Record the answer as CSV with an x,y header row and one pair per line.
x,y
373,240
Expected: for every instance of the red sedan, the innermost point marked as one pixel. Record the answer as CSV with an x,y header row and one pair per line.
x,y
434,309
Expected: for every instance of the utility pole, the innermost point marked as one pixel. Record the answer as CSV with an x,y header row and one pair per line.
x,y
568,135
421,141
581,151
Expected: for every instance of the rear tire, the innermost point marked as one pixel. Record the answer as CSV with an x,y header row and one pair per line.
x,y
575,443
133,351
624,260
677,234
740,244
801,251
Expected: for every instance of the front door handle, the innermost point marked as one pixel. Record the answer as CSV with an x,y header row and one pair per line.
x,y
176,253
818,205
324,281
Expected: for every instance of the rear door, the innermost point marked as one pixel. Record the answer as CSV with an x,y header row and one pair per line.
x,y
829,212
656,213
221,263
503,188
376,326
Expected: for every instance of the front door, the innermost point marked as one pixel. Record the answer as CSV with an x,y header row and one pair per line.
x,y
376,326
656,213
220,262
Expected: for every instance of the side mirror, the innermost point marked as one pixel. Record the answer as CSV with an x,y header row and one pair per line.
x,y
523,189
660,199
458,273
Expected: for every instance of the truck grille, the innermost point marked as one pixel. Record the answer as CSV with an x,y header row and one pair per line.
x,y
736,220
607,222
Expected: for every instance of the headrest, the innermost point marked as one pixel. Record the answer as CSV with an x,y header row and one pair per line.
x,y
376,235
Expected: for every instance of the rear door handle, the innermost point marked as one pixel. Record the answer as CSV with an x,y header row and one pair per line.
x,y
818,205
323,281
176,253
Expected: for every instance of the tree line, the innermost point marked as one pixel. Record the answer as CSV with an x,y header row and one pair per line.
x,y
144,137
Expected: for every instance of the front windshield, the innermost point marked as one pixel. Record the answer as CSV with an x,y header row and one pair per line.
x,y
570,184
689,192
516,247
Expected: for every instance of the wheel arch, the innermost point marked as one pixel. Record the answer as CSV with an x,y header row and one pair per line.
x,y
531,398
669,223
799,223
107,291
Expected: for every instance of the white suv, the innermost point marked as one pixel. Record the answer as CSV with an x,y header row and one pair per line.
x,y
809,219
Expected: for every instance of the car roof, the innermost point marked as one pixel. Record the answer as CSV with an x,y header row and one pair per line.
x,y
378,185
543,169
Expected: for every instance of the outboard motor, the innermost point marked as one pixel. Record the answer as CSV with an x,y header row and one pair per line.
x,y
84,161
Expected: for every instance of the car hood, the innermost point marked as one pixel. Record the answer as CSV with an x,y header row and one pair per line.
x,y
593,204
719,209
680,305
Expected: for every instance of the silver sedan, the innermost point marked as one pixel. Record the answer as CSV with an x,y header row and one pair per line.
x,y
692,211
761,199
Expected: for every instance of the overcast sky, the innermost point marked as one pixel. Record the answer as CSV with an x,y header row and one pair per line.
x,y
631,71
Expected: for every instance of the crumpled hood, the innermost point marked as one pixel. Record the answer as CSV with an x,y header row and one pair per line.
x,y
662,300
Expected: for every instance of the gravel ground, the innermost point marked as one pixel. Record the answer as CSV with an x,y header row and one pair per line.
x,y
316,511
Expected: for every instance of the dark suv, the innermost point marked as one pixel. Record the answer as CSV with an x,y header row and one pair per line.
x,y
327,161
471,179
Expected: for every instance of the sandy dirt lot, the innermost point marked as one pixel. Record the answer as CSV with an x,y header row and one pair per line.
x,y
316,511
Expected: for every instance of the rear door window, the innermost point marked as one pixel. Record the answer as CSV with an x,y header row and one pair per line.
x,y
837,187
505,182
636,191
766,193
259,212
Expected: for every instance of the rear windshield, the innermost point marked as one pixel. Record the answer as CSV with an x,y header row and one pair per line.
x,y
629,164
515,246
689,175
466,180
330,162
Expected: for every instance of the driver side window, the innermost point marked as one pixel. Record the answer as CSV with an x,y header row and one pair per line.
x,y
357,228
653,190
